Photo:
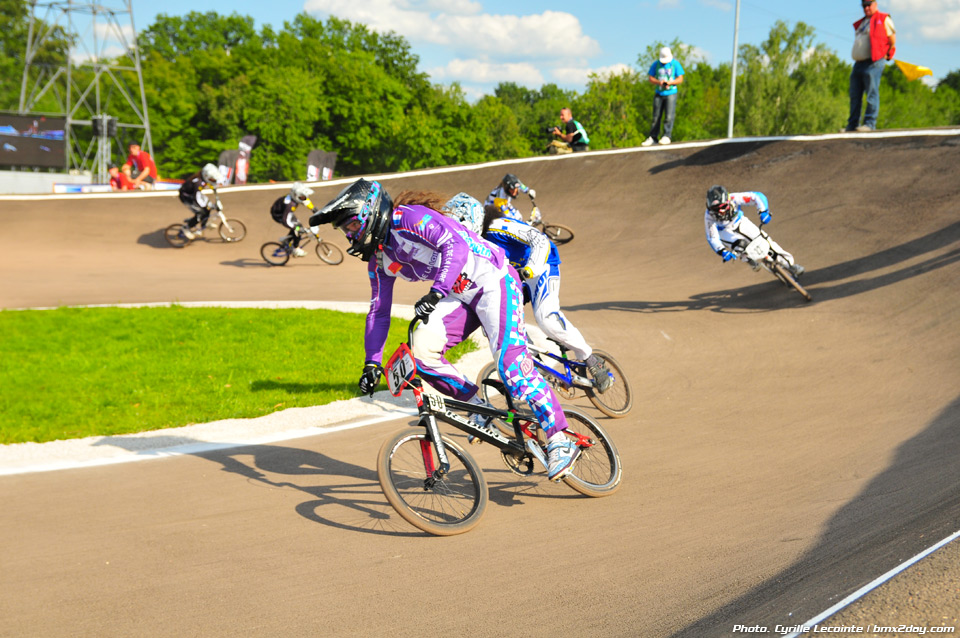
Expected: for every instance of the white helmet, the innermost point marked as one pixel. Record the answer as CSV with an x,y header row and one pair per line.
x,y
467,210
300,192
211,174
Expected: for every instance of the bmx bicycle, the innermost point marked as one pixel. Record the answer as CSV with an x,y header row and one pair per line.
x,y
759,251
230,230
559,234
569,377
278,253
437,486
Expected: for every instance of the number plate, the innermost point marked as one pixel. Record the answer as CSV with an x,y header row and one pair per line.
x,y
757,249
400,369
436,403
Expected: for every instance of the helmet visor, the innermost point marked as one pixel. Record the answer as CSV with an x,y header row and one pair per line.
x,y
720,209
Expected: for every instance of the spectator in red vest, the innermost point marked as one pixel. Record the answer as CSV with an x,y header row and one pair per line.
x,y
119,181
143,167
873,45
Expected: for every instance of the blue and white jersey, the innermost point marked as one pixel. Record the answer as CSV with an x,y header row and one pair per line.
x,y
501,193
523,244
715,226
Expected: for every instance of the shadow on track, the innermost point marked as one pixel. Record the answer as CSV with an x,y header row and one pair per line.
x,y
360,496
762,297
716,154
919,497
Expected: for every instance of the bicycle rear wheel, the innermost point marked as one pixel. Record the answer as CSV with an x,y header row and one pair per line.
x,y
175,237
787,278
329,253
448,506
232,230
558,233
617,400
274,253
597,472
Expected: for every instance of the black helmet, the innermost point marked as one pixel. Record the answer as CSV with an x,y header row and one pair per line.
x,y
718,202
510,182
366,203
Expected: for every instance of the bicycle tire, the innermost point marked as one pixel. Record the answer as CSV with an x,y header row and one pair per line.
x,y
274,253
232,230
559,234
454,505
597,472
329,253
784,275
617,401
174,236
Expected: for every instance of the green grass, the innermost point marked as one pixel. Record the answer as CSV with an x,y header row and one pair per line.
x,y
76,372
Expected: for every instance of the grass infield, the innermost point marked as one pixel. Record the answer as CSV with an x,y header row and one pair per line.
x,y
76,372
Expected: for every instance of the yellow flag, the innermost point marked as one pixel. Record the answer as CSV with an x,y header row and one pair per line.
x,y
912,71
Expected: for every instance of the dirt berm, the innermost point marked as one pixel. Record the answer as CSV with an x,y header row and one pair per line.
x,y
780,454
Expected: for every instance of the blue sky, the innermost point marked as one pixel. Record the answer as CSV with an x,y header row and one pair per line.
x,y
480,43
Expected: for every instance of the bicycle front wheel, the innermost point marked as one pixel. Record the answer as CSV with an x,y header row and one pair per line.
x,y
329,253
442,507
787,278
597,472
232,230
617,400
274,253
175,237
558,233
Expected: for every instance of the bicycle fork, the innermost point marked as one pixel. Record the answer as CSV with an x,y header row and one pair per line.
x,y
433,472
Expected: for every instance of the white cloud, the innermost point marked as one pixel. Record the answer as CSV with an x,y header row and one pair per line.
x,y
667,4
569,75
723,5
934,20
482,72
462,27
110,33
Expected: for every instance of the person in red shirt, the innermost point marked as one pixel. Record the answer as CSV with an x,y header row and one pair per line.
x,y
143,166
874,43
119,181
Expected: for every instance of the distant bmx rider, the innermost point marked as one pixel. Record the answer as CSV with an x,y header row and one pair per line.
x,y
192,196
726,224
282,212
502,197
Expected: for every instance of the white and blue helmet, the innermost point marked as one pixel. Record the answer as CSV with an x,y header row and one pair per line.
x,y
467,210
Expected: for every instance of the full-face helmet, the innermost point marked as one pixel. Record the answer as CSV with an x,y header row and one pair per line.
x,y
362,212
718,203
511,184
210,174
300,193
467,210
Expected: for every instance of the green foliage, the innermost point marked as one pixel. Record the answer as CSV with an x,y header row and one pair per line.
x,y
210,79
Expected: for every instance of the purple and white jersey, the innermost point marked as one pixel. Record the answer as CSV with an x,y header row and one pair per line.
x,y
424,245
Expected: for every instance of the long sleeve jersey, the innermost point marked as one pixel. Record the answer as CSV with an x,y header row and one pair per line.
x,y
523,245
501,193
714,226
424,245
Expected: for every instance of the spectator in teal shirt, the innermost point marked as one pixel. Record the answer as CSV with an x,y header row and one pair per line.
x,y
666,73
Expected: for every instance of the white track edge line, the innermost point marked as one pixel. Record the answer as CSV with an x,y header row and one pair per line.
x,y
873,585
521,160
206,446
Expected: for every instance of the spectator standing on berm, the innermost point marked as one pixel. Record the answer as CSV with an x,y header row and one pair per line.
x,y
873,44
573,132
666,73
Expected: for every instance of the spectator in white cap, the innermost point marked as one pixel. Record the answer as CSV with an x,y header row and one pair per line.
x,y
666,73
